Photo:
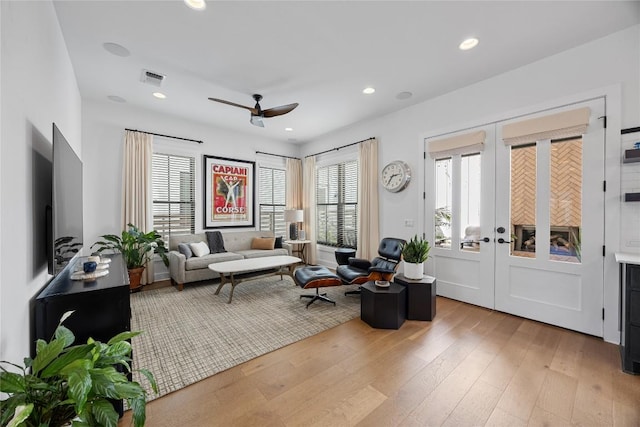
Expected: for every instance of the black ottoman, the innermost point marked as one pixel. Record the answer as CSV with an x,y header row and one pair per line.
x,y
315,276
343,255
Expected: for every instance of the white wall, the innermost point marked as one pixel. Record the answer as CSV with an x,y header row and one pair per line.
x,y
38,87
611,62
103,133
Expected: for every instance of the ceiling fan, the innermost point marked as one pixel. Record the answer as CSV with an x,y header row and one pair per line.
x,y
257,113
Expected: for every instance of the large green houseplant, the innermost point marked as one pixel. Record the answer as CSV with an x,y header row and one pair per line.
x,y
414,253
136,248
67,384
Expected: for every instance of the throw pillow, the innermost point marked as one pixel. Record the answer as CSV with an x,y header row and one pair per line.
x,y
216,242
278,243
185,250
263,242
199,249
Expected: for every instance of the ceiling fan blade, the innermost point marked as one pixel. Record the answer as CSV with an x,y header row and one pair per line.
x,y
253,110
278,111
256,121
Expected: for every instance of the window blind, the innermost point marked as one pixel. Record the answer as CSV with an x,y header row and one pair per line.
x,y
173,188
337,204
467,143
554,126
272,200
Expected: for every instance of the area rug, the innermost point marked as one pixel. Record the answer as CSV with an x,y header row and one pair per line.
x,y
193,334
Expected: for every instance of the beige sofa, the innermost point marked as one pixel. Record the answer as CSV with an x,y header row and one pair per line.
x,y
236,243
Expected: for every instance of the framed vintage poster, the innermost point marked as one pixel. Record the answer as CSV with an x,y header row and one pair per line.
x,y
229,192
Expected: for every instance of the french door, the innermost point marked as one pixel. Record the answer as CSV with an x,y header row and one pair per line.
x,y
462,221
534,249
550,204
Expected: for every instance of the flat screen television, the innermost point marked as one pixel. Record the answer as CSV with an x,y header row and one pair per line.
x,y
65,218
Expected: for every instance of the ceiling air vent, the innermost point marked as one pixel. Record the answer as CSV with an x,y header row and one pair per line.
x,y
152,78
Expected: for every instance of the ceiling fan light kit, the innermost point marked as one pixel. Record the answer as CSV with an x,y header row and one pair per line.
x,y
257,113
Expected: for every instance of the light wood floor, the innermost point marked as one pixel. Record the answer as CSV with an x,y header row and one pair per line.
x,y
469,367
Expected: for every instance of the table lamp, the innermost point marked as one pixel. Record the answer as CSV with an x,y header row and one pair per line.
x,y
293,216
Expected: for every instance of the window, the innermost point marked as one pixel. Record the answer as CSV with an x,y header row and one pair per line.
x,y
337,204
444,197
272,194
173,194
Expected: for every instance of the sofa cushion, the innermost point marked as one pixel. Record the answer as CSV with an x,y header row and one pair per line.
x,y
199,248
185,250
197,263
216,242
278,243
257,253
263,243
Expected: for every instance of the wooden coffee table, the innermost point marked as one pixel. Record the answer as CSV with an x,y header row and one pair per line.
x,y
228,269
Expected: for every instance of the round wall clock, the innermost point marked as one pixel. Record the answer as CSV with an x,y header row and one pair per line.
x,y
396,176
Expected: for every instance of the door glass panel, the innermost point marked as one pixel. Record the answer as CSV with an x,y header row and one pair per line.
x,y
443,203
565,203
523,202
470,203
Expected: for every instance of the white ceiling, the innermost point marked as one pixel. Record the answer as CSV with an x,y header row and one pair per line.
x,y
320,54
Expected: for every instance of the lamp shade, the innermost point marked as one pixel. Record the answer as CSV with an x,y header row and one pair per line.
x,y
293,215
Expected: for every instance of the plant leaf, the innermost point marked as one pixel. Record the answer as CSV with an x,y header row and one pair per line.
x,y
138,408
20,415
65,334
104,413
123,336
72,354
79,387
118,349
12,383
151,378
129,390
46,354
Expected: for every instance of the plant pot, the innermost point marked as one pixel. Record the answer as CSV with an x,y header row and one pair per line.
x,y
413,271
135,276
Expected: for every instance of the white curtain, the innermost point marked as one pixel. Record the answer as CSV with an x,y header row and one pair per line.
x,y
294,184
136,187
309,206
368,230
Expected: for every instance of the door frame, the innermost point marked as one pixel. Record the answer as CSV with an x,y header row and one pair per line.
x,y
612,95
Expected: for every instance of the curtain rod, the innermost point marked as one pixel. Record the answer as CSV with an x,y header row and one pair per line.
x,y
277,155
629,130
338,148
166,136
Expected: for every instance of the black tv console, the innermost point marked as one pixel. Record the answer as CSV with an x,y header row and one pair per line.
x,y
102,308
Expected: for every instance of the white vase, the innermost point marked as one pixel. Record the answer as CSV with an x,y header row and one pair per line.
x,y
413,271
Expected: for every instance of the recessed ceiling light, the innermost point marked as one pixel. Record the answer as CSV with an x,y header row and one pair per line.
x,y
116,98
404,95
116,49
159,95
469,43
196,4
368,90
288,129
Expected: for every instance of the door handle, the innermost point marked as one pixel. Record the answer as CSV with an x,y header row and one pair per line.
x,y
486,240
501,240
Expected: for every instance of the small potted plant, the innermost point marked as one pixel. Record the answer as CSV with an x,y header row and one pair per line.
x,y
73,385
414,253
136,248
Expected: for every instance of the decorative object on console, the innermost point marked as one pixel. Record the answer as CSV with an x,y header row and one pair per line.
x,y
136,248
293,216
228,192
64,383
396,176
414,253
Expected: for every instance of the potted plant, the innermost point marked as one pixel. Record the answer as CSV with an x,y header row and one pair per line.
x,y
136,248
72,385
414,253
